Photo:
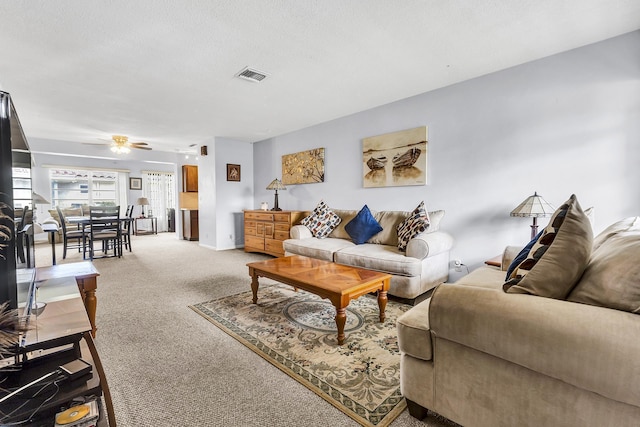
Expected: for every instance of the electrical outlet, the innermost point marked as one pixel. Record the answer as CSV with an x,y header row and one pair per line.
x,y
457,262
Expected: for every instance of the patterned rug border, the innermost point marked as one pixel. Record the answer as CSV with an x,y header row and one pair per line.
x,y
314,383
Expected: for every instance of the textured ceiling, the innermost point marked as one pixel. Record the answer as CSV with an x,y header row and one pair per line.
x,y
162,71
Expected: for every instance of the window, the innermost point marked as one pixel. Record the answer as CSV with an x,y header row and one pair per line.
x,y
159,188
73,188
21,187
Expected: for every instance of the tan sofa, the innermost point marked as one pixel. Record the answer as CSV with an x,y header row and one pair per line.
x,y
424,265
480,356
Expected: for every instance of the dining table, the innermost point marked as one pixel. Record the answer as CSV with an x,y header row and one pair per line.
x,y
84,222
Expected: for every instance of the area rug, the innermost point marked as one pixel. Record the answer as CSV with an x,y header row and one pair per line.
x,y
296,332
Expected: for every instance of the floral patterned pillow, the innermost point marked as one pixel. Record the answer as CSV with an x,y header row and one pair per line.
x,y
417,222
322,221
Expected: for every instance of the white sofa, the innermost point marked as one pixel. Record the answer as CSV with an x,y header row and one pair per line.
x,y
424,265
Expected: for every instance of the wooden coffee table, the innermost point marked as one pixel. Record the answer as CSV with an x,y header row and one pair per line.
x,y
335,282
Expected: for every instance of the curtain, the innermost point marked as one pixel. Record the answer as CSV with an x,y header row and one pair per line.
x,y
159,188
123,182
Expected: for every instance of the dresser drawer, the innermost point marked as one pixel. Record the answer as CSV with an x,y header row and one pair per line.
x,y
250,230
274,246
282,226
281,217
260,216
251,242
281,235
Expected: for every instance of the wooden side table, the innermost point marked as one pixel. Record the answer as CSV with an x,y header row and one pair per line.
x,y
87,279
496,261
154,226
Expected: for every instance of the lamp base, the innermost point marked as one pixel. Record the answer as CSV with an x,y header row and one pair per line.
x,y
275,203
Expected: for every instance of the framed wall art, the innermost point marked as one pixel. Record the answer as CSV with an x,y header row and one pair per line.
x,y
395,159
135,183
304,167
233,172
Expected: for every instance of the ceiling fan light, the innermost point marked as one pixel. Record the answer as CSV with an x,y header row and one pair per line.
x,y
120,149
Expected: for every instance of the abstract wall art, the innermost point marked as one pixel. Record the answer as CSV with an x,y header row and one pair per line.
x,y
304,167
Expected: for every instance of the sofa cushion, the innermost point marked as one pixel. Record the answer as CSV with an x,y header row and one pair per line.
x,y
434,220
389,221
379,257
624,225
417,222
346,216
316,248
612,278
321,221
363,226
558,258
414,334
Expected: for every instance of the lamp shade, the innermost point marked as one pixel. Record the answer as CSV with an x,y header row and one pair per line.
x,y
276,184
143,201
38,199
533,206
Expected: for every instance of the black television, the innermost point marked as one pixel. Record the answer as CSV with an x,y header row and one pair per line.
x,y
17,273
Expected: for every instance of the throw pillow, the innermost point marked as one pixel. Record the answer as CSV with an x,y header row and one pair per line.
x,y
522,255
417,222
363,226
321,221
558,257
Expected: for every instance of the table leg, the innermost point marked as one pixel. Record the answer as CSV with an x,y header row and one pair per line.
x,y
341,320
88,288
52,236
382,303
254,285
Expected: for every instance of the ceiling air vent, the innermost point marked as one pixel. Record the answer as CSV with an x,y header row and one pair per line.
x,y
252,75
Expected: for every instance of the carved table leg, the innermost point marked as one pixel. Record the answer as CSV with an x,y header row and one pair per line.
x,y
382,303
341,320
254,285
87,289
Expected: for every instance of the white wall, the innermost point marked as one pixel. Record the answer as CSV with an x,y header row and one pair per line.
x,y
222,201
569,123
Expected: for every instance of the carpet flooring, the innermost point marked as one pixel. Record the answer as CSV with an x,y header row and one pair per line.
x,y
296,332
168,366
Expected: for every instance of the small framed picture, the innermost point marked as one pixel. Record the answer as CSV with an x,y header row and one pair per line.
x,y
135,183
233,172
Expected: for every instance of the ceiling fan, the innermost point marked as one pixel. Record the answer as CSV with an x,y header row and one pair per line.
x,y
120,144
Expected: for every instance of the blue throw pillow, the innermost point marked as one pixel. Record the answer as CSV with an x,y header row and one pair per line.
x,y
522,255
363,227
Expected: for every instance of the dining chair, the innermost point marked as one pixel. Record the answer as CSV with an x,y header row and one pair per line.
x,y
22,235
126,227
104,227
73,239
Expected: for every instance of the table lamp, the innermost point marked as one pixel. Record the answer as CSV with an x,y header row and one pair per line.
x,y
143,201
38,200
276,184
535,207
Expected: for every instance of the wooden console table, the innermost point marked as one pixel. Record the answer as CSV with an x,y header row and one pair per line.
x,y
87,278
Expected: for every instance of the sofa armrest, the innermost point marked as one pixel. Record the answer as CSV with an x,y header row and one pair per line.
x,y
587,346
509,254
429,244
300,232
